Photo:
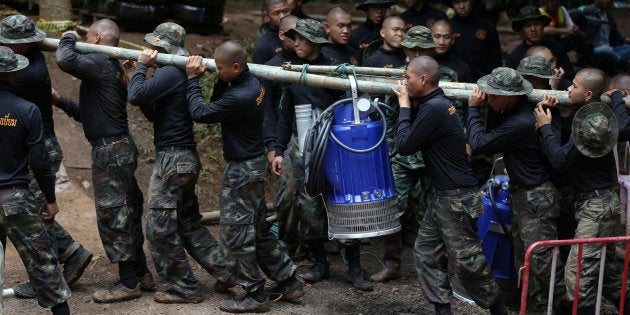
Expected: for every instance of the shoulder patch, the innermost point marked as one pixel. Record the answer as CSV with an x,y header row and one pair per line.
x,y
7,121
260,97
451,110
480,34
278,49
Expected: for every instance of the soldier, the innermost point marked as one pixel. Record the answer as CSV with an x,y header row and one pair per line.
x,y
537,70
236,103
173,228
442,34
369,31
338,26
19,33
476,40
587,159
535,200
420,13
308,36
561,83
447,234
389,54
288,194
118,199
268,43
22,141
530,23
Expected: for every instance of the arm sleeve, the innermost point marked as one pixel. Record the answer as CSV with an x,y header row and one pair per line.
x,y
70,108
618,106
38,157
270,113
84,67
142,91
226,109
285,123
495,140
556,154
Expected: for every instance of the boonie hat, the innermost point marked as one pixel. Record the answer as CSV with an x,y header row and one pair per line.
x,y
19,29
10,61
594,130
310,29
536,66
527,13
365,4
169,36
418,37
504,81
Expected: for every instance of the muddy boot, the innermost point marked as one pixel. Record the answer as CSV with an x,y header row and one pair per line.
x,y
290,290
393,249
319,270
146,282
172,297
75,265
255,302
117,293
24,291
360,279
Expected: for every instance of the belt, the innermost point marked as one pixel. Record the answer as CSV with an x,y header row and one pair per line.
x,y
593,193
108,140
175,149
13,187
516,187
455,192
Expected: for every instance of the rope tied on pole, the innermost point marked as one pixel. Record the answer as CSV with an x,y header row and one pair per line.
x,y
304,74
342,70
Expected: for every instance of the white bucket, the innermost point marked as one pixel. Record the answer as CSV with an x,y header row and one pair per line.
x,y
303,121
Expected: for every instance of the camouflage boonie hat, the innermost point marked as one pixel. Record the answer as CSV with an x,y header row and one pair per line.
x,y
19,29
528,13
367,3
169,36
310,29
504,81
10,61
594,130
536,66
418,37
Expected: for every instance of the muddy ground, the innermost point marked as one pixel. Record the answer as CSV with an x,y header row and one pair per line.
x,y
75,197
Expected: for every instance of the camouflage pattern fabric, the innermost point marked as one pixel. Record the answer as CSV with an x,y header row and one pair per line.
x,y
566,220
534,216
61,241
118,199
173,226
289,198
244,233
597,217
24,227
448,236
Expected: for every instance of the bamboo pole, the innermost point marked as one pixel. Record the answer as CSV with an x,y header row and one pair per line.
x,y
336,70
457,91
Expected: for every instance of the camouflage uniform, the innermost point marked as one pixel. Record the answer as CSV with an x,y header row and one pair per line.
x,y
244,230
23,224
118,198
449,229
534,217
62,241
173,226
597,217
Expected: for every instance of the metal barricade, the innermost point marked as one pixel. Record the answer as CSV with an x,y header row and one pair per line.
x,y
524,270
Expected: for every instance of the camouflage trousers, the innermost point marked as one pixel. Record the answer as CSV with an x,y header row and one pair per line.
x,y
24,227
306,211
598,216
566,219
448,237
118,199
173,226
245,233
534,218
62,242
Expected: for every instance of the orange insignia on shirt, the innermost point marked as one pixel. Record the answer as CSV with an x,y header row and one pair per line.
x,y
388,66
259,99
363,45
480,34
157,38
451,110
278,49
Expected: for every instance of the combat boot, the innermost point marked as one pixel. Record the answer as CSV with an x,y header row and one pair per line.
x,y
393,249
360,279
245,304
146,282
24,291
221,287
75,265
316,273
290,290
171,297
117,293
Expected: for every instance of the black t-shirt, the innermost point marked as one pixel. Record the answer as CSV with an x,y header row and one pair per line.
x,y
385,59
462,70
103,93
425,17
22,141
476,44
342,53
363,35
33,84
267,46
162,99
437,132
237,105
